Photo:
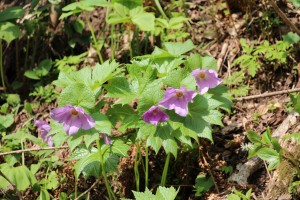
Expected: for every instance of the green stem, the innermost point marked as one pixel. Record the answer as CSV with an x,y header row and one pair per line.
x,y
76,188
1,66
160,9
136,168
147,168
23,155
108,188
165,172
94,39
129,41
112,41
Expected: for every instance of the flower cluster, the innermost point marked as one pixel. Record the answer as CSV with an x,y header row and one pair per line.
x,y
44,128
178,99
72,118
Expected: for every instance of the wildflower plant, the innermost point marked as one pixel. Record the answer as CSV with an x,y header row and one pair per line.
x,y
156,98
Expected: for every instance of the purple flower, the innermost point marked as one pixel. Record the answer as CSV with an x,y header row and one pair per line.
x,y
206,79
178,99
44,128
155,115
106,139
72,118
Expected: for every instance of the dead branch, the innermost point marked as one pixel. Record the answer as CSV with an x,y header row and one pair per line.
x,y
35,149
267,94
284,17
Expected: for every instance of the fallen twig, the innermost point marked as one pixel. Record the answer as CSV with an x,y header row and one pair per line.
x,y
35,149
284,17
267,94
90,188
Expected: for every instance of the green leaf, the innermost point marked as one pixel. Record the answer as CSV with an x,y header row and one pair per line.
x,y
269,155
155,142
124,114
111,162
292,38
104,72
119,148
9,31
103,124
208,62
20,176
90,136
31,74
88,166
144,75
162,193
198,120
296,3
6,121
253,137
78,25
145,21
266,136
11,13
44,194
77,94
3,183
166,193
130,4
233,197
159,136
175,77
150,96
144,195
296,101
119,87
203,184
178,48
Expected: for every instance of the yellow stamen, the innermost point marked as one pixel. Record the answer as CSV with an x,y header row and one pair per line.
x,y
202,75
154,112
179,94
74,112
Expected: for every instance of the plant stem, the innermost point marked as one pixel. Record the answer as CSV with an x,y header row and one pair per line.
x,y
1,66
160,9
165,172
94,39
129,40
23,155
112,41
136,167
108,188
147,168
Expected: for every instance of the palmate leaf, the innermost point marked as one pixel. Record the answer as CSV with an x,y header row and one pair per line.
x,y
199,118
9,31
162,193
119,87
178,48
269,155
124,114
144,75
21,176
220,93
77,94
145,21
151,95
88,166
11,13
